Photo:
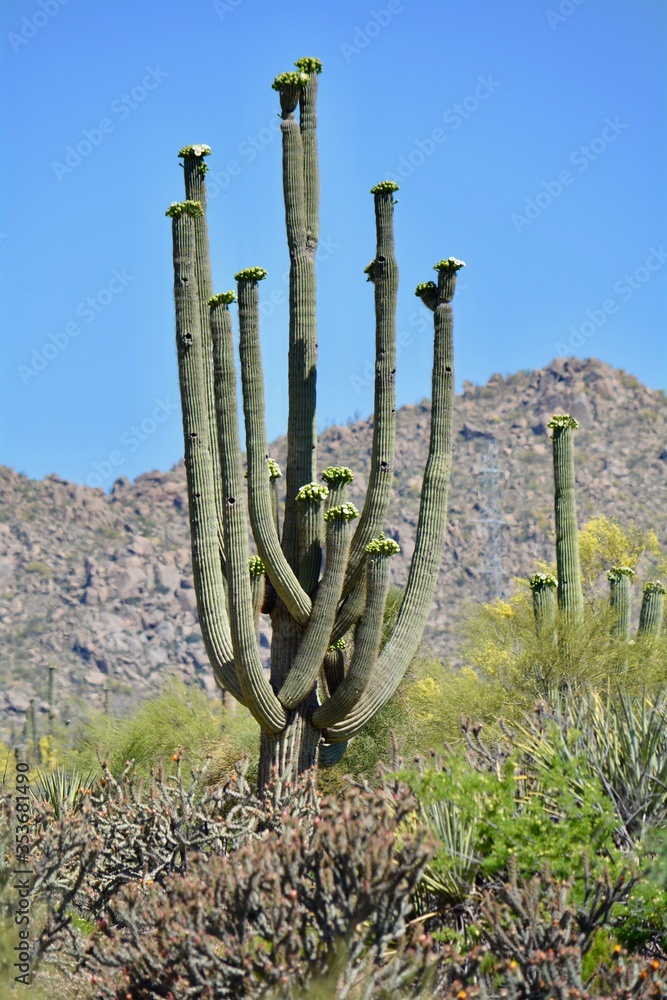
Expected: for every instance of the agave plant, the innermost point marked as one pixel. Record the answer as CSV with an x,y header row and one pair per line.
x,y
455,880
63,788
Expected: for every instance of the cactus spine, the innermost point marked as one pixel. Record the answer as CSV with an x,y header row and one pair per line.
x,y
651,614
328,677
570,596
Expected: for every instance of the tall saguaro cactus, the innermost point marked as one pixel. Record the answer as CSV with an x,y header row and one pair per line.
x,y
570,596
543,587
328,677
620,598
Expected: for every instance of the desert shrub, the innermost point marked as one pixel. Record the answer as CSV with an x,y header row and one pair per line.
x,y
283,911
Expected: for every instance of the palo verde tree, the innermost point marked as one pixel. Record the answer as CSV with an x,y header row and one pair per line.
x,y
328,677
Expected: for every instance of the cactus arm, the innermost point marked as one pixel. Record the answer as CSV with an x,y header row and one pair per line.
x,y
331,753
317,636
334,666
350,610
207,572
570,596
543,587
257,572
652,609
431,526
302,352
194,175
384,271
260,467
274,475
308,126
366,640
257,691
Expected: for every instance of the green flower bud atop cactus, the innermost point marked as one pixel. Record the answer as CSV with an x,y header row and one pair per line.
x,y
343,512
370,271
199,150
251,274
192,208
654,587
256,566
341,645
427,291
563,420
385,187
222,299
336,474
616,572
290,79
308,64
383,547
274,470
313,493
542,580
450,264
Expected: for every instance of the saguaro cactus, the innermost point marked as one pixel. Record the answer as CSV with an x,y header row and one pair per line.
x,y
543,587
620,597
650,616
328,677
570,596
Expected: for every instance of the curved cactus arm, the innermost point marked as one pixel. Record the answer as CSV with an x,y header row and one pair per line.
x,y
384,275
367,637
334,665
652,609
257,572
302,353
543,587
331,753
316,639
194,174
257,691
260,468
350,610
207,571
274,475
570,595
620,598
431,527
308,125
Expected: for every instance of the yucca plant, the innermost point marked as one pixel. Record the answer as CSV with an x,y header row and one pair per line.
x,y
63,788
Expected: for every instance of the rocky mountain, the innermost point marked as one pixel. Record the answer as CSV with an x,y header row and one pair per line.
x,y
100,586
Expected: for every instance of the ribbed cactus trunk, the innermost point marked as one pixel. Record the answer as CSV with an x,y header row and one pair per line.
x,y
323,584
620,599
543,587
570,596
652,609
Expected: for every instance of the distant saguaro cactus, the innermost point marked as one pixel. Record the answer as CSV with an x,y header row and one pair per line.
x,y
570,596
651,614
328,677
543,587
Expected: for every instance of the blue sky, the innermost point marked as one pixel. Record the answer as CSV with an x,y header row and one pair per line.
x,y
528,138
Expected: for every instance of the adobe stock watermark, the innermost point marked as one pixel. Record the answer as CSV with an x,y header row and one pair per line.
x,y
22,875
93,137
581,158
565,9
419,322
131,440
32,24
87,312
364,34
624,288
225,7
454,117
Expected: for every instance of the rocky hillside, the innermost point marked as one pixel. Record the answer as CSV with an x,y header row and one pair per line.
x,y
100,585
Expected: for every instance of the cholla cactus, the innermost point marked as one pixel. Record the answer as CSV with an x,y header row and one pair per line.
x,y
650,616
570,596
328,677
